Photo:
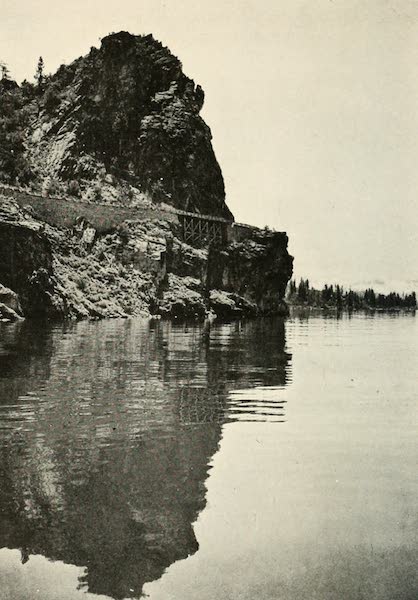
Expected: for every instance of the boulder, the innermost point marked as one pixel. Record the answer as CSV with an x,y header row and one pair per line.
x,y
8,314
9,299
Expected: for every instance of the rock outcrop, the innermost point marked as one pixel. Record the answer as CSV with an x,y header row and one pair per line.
x,y
25,262
113,145
122,120
253,273
10,309
138,269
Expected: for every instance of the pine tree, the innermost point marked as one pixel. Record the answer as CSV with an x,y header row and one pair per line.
x,y
39,75
339,298
302,290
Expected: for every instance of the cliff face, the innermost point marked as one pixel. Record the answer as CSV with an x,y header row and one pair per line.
x,y
254,272
125,111
111,144
136,269
25,262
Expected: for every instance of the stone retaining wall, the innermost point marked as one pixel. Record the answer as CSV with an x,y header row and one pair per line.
x,y
63,212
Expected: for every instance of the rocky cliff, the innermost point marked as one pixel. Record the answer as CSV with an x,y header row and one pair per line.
x,y
139,268
113,144
125,110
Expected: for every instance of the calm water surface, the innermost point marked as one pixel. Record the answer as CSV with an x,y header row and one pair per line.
x,y
259,460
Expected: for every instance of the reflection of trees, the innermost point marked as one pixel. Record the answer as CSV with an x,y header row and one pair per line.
x,y
118,423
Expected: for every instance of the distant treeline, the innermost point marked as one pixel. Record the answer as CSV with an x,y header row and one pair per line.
x,y
335,296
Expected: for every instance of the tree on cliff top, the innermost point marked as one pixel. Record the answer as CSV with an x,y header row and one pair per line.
x,y
39,75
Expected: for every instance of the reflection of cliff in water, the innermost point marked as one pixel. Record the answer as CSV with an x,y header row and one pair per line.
x,y
107,432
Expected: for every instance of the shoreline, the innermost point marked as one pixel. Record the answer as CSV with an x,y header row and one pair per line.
x,y
335,310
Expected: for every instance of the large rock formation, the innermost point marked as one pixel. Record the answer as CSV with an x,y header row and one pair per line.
x,y
137,269
113,145
253,273
125,109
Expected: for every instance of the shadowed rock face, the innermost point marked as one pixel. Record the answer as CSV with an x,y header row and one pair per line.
x,y
128,110
110,429
26,266
253,273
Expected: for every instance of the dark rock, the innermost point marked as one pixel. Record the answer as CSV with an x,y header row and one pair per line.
x,y
227,305
8,314
182,298
26,266
185,260
256,269
10,299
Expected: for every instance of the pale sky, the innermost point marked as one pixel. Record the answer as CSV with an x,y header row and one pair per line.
x,y
313,106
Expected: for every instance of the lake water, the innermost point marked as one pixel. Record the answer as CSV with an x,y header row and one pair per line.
x,y
260,460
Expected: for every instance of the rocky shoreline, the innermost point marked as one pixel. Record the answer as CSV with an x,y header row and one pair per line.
x,y
141,268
